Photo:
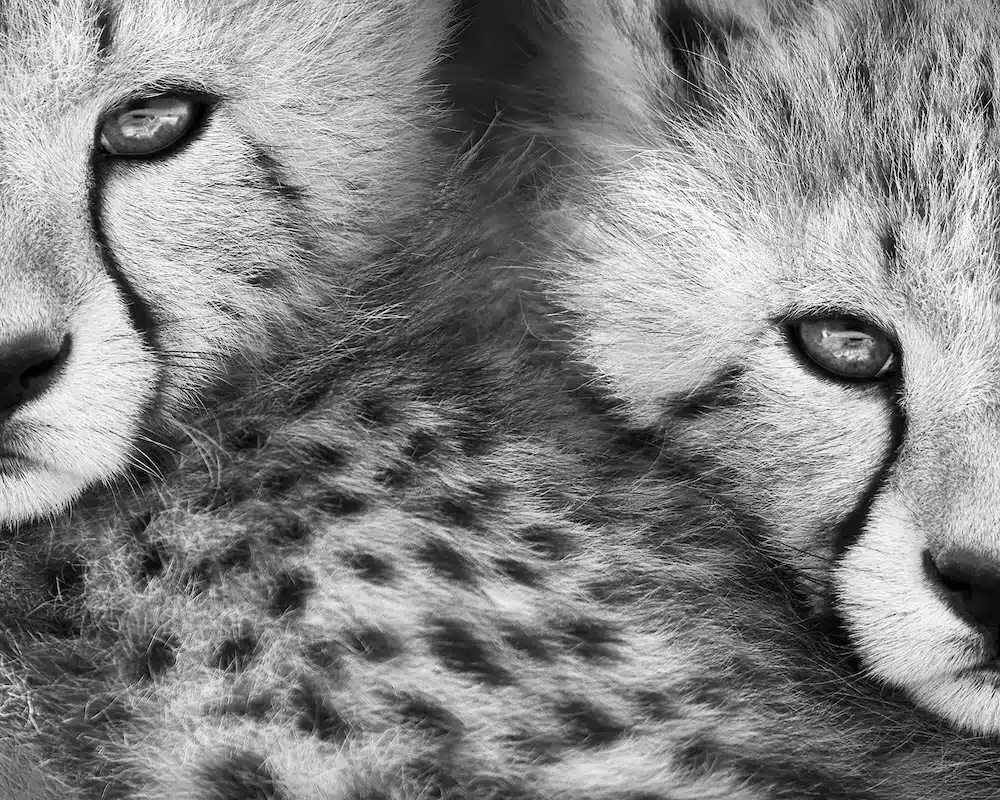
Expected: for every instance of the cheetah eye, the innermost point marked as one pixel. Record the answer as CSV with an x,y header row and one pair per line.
x,y
846,346
148,125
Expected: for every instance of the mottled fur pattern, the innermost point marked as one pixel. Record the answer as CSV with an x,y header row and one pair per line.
x,y
412,554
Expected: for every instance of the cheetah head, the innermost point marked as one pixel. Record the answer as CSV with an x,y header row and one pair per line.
x,y
785,257
187,189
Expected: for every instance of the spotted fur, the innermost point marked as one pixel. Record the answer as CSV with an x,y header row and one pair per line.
x,y
415,553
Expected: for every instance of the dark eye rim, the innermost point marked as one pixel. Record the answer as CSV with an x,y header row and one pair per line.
x,y
793,339
204,104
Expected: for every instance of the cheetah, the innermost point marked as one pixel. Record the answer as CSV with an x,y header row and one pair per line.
x,y
347,516
823,177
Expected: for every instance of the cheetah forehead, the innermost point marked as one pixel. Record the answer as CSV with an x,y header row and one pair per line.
x,y
916,87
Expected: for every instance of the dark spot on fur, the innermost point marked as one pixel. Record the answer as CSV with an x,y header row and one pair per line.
x,y
590,639
232,555
699,755
986,104
138,524
235,654
290,592
518,571
287,528
280,481
276,175
325,455
420,445
317,716
245,704
537,748
658,706
397,477
546,541
721,391
474,437
608,590
311,395
154,656
152,562
325,656
248,437
105,25
231,490
64,580
589,726
889,242
525,641
370,567
447,562
714,693
340,503
456,512
377,411
374,644
689,36
224,309
425,715
240,776
643,796
455,644
237,554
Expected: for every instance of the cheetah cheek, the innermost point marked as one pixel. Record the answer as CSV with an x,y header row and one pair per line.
x,y
905,633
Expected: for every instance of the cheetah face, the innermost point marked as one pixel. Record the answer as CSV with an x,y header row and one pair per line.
x,y
164,167
797,280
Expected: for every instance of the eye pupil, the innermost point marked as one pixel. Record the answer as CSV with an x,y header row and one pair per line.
x,y
147,125
846,347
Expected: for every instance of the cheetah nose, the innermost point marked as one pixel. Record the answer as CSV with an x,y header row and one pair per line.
x,y
971,584
29,365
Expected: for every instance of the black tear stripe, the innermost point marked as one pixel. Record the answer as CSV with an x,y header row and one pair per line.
x,y
140,313
723,392
849,530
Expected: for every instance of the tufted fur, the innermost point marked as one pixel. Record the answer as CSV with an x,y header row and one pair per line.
x,y
127,258
403,551
754,164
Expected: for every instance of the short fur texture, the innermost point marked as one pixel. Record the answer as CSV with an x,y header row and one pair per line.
x,y
750,165
404,550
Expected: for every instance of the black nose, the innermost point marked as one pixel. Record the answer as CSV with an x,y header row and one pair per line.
x,y
971,583
29,365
